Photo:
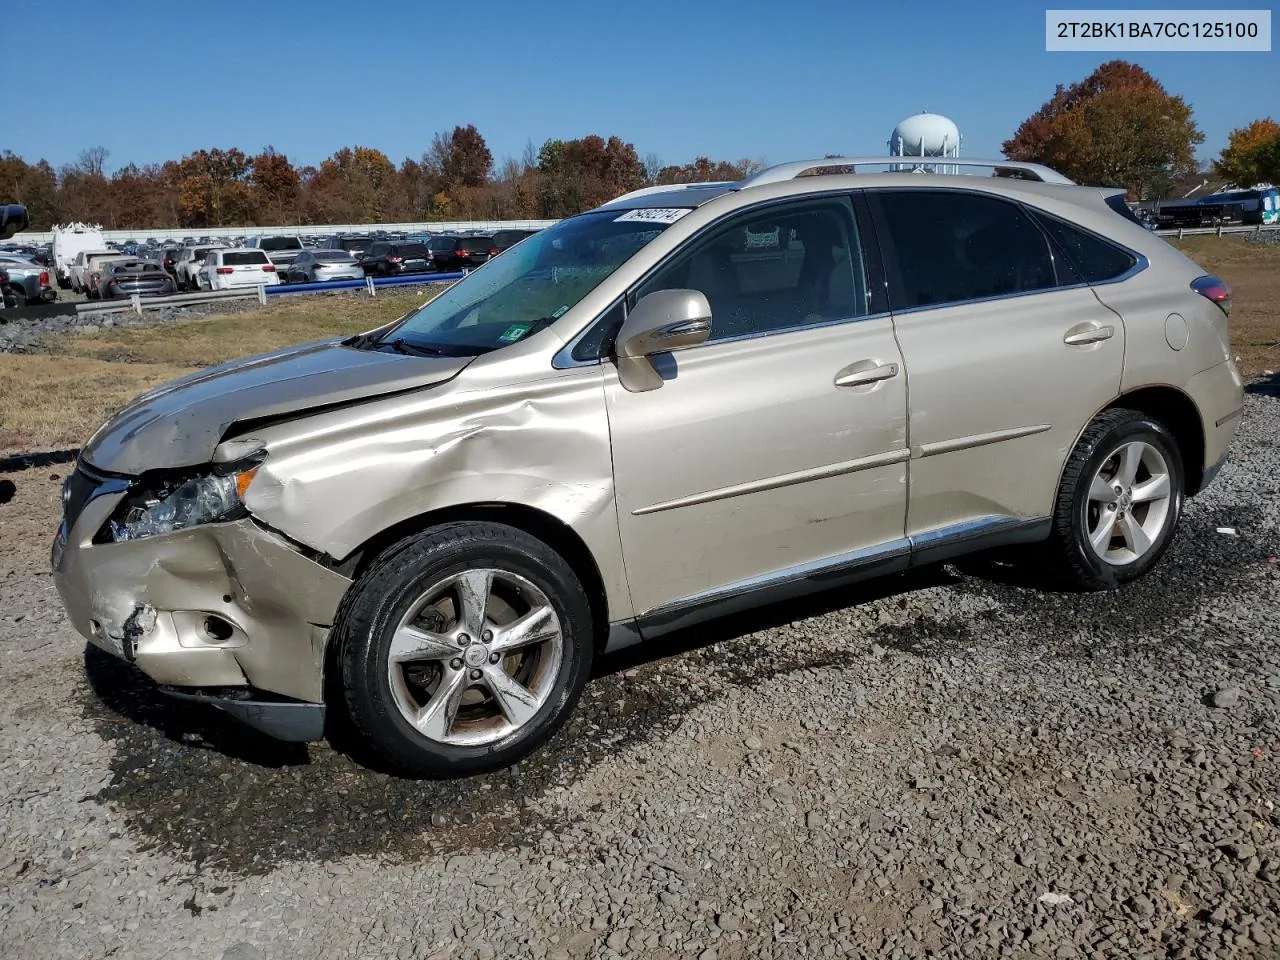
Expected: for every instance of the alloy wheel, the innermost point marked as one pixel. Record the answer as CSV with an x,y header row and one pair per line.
x,y
475,658
1129,503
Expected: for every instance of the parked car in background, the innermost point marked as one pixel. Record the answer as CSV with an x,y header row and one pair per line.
x,y
388,258
354,244
143,277
505,239
28,282
68,242
91,272
225,269
168,257
311,266
282,251
78,274
456,252
190,260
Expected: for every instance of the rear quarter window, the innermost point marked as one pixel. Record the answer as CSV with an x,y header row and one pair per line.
x,y
1094,259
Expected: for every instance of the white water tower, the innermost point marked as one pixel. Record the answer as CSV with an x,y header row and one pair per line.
x,y
925,135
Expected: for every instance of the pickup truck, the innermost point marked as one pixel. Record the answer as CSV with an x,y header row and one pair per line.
x,y
281,251
28,282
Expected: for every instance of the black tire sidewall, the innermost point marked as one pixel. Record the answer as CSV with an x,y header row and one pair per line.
x,y
381,600
1102,447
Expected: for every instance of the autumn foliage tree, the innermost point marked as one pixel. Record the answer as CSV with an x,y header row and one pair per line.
x,y
214,188
455,178
1252,155
1116,127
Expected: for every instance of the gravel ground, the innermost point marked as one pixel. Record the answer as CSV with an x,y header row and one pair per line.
x,y
1265,238
947,764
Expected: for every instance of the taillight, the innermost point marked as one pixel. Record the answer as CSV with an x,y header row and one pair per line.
x,y
1215,289
44,279
464,253
268,268
494,251
226,270
394,259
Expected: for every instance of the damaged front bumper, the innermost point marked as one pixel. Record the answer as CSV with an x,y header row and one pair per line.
x,y
218,612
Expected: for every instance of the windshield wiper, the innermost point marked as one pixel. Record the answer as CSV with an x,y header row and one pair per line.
x,y
401,345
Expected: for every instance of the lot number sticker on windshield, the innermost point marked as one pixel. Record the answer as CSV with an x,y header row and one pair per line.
x,y
655,215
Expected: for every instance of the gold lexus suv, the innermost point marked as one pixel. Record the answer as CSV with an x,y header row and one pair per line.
x,y
688,401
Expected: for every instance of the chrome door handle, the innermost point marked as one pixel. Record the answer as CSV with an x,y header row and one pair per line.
x,y
857,374
1088,333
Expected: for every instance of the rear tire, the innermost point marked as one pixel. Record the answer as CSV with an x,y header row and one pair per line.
x,y
1118,503
462,707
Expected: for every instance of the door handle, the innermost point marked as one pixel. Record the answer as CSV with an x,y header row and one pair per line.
x,y
860,374
1088,333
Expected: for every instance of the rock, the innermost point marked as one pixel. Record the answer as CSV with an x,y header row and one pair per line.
x,y
814,819
617,940
708,954
1225,697
241,951
438,820
753,743
728,922
1239,851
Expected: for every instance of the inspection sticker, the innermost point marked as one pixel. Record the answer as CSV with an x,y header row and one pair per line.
x,y
514,332
655,215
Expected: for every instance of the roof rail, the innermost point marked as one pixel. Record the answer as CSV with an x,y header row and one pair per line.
x,y
665,188
789,171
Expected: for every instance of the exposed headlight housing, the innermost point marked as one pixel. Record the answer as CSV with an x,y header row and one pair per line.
x,y
168,505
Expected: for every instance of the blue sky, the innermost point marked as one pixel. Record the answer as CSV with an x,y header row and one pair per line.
x,y
750,78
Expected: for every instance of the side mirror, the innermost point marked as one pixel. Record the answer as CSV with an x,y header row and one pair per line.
x,y
661,322
13,218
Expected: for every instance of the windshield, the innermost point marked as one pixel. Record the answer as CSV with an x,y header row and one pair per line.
x,y
529,287
280,243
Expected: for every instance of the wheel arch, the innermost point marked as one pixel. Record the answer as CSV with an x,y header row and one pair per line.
x,y
546,527
1179,413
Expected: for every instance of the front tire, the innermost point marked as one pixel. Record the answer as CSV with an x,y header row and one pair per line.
x,y
1119,501
463,649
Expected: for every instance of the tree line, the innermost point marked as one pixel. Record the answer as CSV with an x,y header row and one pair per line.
x,y
1118,126
456,178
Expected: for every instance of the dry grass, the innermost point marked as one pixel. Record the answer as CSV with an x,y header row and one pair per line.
x,y
203,343
55,400
1253,270
54,403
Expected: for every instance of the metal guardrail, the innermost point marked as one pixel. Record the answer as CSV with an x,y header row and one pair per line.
x,y
1219,231
138,304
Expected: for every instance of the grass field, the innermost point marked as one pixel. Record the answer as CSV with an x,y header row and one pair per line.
x,y
55,399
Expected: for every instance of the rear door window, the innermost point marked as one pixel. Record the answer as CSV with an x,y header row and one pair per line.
x,y
953,246
413,251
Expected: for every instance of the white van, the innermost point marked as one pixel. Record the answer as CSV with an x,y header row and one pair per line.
x,y
69,241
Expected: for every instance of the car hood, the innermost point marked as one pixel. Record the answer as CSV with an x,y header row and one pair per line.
x,y
180,423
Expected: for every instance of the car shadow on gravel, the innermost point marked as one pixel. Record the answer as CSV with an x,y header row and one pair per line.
x,y
189,781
